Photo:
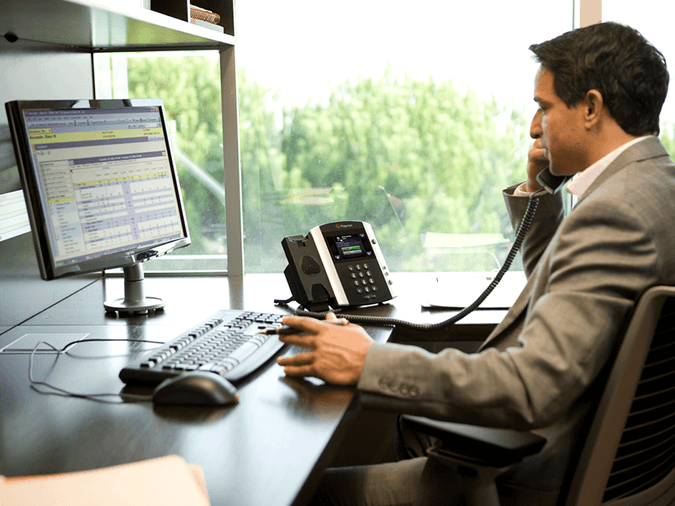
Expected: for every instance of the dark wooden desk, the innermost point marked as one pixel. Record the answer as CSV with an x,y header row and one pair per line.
x,y
269,449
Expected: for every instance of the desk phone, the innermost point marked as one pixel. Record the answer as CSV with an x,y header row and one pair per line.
x,y
338,264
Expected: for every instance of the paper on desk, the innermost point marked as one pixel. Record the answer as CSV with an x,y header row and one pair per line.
x,y
162,481
457,292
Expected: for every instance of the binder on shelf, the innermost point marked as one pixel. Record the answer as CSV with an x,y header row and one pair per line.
x,y
199,13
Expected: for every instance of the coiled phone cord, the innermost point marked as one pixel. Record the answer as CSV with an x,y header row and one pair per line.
x,y
382,321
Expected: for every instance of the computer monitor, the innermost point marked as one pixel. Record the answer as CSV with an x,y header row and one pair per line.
x,y
101,188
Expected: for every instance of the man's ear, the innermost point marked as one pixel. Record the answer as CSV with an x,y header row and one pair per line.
x,y
593,107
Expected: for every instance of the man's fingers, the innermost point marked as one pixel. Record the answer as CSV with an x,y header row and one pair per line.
x,y
298,365
296,360
303,340
304,323
305,370
538,157
330,316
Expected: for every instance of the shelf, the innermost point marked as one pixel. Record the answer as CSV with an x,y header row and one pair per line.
x,y
95,25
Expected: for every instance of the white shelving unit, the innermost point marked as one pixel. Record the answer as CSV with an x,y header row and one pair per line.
x,y
95,26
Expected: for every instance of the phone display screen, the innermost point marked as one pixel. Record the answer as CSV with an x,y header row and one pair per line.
x,y
349,246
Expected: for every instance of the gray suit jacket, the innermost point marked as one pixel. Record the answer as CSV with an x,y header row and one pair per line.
x,y
535,370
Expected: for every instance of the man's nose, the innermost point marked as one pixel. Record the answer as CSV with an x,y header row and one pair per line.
x,y
535,126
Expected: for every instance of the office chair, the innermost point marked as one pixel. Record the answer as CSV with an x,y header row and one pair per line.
x,y
628,456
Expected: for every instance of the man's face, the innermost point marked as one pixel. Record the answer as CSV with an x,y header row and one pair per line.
x,y
560,128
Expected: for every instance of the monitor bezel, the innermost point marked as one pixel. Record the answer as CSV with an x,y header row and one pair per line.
x,y
38,215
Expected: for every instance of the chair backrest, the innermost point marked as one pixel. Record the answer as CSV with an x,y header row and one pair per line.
x,y
629,455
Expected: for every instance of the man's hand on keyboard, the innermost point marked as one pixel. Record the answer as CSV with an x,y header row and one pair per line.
x,y
337,352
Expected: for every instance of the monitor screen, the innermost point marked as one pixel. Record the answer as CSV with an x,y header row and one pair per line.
x,y
100,182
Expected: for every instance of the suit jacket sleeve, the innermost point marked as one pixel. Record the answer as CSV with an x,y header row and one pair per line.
x,y
579,293
549,214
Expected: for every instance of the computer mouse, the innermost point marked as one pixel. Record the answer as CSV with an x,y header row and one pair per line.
x,y
196,387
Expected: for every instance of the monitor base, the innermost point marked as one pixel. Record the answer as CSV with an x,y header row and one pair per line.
x,y
134,300
141,307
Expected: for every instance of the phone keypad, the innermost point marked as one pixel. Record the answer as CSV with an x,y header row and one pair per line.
x,y
364,280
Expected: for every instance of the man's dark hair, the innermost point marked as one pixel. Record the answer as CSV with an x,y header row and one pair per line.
x,y
617,61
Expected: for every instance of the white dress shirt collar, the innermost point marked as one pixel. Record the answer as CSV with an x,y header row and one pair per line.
x,y
584,179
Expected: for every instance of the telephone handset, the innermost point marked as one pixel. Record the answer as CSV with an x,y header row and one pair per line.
x,y
338,264
551,183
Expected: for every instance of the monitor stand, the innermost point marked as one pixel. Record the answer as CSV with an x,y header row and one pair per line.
x,y
134,301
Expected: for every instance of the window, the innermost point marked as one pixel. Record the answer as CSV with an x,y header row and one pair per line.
x,y
411,116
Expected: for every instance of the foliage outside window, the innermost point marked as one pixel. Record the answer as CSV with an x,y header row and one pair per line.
x,y
410,157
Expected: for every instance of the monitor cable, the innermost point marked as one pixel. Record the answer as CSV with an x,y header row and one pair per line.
x,y
40,386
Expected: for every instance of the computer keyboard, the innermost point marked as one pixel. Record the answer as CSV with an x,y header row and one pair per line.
x,y
228,343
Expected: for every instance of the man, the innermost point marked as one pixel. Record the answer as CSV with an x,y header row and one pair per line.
x,y
600,90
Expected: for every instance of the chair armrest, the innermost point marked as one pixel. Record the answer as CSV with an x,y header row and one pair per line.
x,y
483,446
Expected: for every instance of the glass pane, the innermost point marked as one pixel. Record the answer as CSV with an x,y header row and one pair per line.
x,y
189,85
410,116
656,30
